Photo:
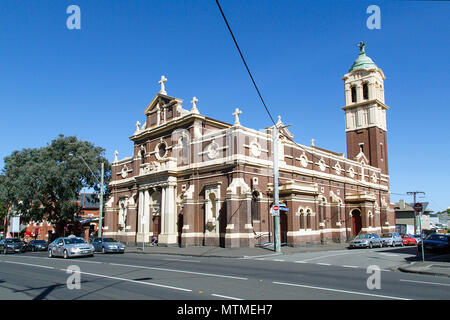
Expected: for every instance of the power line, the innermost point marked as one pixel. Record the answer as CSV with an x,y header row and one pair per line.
x,y
245,63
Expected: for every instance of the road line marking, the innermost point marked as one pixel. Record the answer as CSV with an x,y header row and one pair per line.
x,y
180,271
133,281
330,255
265,255
338,290
278,260
324,264
29,264
226,297
300,262
346,266
438,284
182,260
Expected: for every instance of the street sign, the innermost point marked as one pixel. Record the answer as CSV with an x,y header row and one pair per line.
x,y
284,209
418,207
275,211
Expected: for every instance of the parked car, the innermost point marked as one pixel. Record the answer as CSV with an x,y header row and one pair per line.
x,y
409,240
368,240
108,245
436,243
70,247
12,245
391,239
37,245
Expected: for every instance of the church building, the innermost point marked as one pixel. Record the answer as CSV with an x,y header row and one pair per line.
x,y
197,181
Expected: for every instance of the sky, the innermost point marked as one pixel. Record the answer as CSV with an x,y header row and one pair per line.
x,y
95,82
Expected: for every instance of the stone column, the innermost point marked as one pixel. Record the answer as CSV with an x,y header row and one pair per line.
x,y
140,214
169,235
146,215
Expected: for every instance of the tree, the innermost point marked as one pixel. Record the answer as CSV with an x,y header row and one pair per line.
x,y
43,183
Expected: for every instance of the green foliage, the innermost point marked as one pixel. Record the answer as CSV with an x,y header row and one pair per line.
x,y
43,183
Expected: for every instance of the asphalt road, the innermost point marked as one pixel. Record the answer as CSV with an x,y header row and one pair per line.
x,y
327,275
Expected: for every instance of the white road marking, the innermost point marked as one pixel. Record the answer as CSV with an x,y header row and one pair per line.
x,y
279,260
330,255
195,261
226,297
180,271
300,262
324,264
29,264
438,284
338,290
133,281
388,254
265,255
346,266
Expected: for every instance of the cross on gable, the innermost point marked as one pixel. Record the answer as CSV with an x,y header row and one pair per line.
x,y
162,83
236,114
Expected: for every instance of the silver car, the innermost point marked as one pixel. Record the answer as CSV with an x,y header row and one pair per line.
x,y
108,245
368,240
70,247
391,239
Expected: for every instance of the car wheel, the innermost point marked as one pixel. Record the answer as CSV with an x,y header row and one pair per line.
x,y
103,250
5,251
370,245
66,255
50,254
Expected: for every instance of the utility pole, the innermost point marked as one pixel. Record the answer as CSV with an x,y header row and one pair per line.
x,y
413,193
100,219
276,217
420,220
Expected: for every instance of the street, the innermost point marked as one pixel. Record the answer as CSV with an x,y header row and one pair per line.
x,y
328,275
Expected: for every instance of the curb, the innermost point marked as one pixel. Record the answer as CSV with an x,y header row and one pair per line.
x,y
407,269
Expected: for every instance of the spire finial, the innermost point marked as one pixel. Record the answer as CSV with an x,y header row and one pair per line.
x,y
362,47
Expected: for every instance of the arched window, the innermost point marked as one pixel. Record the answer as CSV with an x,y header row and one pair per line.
x,y
365,91
255,211
353,94
308,218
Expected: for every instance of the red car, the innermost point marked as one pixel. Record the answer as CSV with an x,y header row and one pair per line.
x,y
409,240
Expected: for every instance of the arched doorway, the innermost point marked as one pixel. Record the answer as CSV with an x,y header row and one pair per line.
x,y
356,222
283,227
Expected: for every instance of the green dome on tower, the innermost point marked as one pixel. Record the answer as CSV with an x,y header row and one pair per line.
x,y
363,61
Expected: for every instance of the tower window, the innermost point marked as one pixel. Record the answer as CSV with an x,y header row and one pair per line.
x,y
353,94
365,91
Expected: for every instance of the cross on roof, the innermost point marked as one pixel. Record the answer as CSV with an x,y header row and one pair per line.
x,y
194,105
236,114
162,82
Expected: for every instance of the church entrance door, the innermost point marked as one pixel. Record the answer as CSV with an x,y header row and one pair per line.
x,y
356,222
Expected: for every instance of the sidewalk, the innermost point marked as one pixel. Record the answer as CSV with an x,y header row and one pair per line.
x,y
203,251
438,266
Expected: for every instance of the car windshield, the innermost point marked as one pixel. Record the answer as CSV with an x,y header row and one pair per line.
x,y
39,241
13,240
386,235
74,241
362,236
109,240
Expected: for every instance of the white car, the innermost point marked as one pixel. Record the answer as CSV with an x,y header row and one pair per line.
x,y
70,247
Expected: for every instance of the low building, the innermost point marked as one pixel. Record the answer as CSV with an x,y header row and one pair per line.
x,y
407,221
85,225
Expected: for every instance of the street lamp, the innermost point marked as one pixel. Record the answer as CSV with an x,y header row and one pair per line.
x,y
100,219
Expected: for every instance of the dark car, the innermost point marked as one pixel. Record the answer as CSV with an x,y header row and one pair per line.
x,y
436,243
11,245
37,245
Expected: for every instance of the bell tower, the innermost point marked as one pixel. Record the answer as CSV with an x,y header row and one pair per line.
x,y
365,112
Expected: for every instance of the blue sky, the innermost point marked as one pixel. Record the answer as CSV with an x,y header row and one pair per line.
x,y
96,82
